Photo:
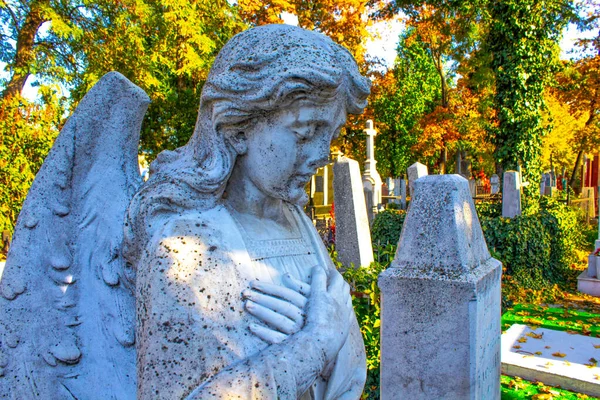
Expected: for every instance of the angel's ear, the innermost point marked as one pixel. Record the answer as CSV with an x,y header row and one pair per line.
x,y
236,138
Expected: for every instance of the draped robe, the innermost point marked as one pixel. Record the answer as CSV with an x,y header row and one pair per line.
x,y
192,332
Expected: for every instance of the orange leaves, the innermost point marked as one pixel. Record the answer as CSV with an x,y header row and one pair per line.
x,y
344,20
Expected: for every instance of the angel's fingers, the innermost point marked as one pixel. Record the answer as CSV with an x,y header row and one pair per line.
x,y
271,318
268,335
297,285
279,306
280,291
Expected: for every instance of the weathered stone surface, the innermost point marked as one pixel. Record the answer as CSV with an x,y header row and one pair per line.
x,y
440,324
511,195
414,172
66,292
353,235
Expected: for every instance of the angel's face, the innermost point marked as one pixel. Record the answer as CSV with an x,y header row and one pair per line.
x,y
284,149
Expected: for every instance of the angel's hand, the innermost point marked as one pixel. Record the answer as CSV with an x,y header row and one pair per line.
x,y
279,308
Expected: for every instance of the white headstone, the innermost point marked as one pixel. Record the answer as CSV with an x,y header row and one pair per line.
x,y
440,321
353,235
511,195
414,172
554,357
495,184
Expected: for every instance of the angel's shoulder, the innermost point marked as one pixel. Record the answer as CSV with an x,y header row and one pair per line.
x,y
211,232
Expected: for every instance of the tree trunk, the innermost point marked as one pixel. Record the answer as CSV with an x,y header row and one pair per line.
x,y
443,161
589,122
575,169
24,57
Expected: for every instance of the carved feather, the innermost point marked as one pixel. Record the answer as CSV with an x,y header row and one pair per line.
x,y
66,328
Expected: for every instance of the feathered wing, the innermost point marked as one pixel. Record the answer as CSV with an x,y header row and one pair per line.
x,y
67,305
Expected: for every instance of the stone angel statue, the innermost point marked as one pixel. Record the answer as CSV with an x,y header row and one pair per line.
x,y
206,281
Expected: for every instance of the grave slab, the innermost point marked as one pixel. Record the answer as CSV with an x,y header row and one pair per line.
x,y
555,358
588,285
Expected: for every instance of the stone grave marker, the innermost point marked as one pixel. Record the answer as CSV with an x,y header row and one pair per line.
x,y
511,195
414,172
556,358
353,235
495,184
440,321
403,193
473,187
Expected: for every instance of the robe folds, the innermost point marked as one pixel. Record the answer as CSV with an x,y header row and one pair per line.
x,y
193,340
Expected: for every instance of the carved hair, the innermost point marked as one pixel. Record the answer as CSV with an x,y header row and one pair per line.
x,y
257,72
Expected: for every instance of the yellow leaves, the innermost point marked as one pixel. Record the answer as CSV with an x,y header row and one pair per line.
x,y
559,354
516,346
535,335
542,396
592,363
538,353
596,346
522,339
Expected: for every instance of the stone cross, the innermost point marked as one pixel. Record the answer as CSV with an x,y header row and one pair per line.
x,y
440,320
371,180
414,172
495,184
353,235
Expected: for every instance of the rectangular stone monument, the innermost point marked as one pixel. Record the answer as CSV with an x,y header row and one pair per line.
x,y
511,195
473,187
353,235
495,184
403,194
543,185
414,172
440,320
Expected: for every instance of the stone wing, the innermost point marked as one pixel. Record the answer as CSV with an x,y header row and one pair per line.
x,y
67,304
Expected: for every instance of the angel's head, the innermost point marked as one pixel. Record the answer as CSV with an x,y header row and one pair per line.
x,y
259,72
259,77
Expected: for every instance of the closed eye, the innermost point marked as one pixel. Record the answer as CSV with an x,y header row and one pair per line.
x,y
305,132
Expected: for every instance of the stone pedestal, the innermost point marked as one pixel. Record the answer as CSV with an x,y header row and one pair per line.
x,y
440,321
353,235
511,195
414,172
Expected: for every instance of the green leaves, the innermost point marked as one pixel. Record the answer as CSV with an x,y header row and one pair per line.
x,y
523,39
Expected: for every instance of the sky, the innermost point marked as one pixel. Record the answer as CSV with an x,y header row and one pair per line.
x,y
383,44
